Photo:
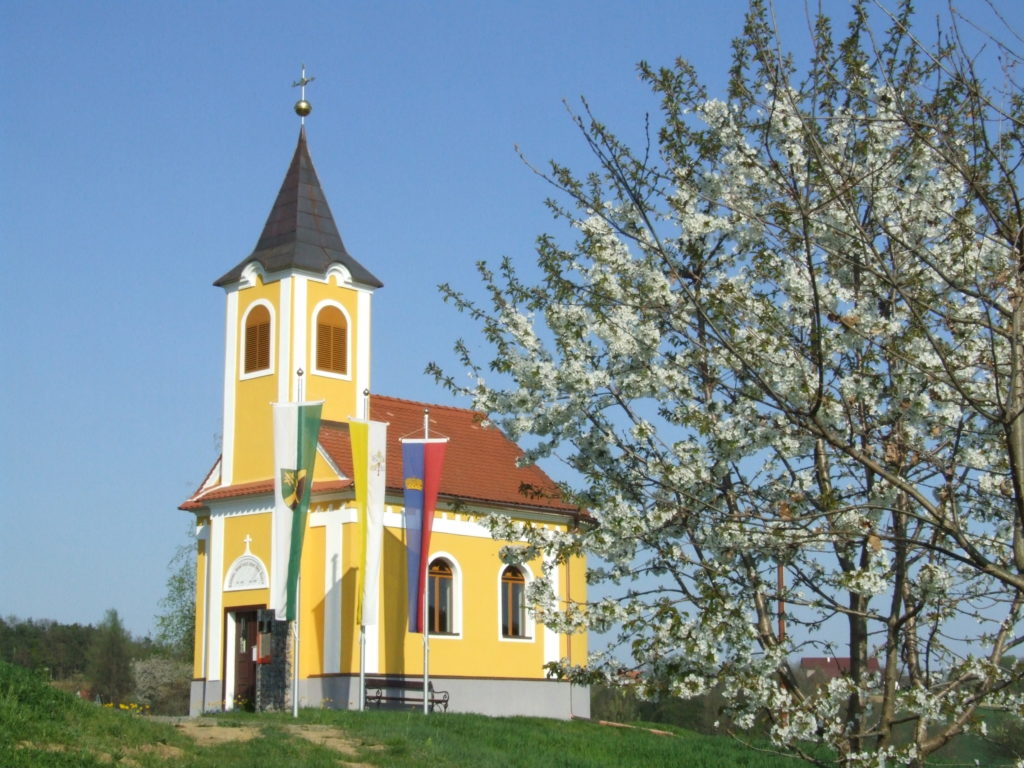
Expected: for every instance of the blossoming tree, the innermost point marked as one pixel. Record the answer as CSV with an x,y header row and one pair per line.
x,y
785,358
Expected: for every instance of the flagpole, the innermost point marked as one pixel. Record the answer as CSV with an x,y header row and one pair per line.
x,y
426,648
295,662
298,599
362,598
426,592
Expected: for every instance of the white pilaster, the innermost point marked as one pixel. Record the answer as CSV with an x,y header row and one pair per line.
x,y
215,603
203,535
362,366
552,649
230,382
285,367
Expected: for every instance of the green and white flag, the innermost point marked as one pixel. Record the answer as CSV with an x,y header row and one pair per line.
x,y
296,429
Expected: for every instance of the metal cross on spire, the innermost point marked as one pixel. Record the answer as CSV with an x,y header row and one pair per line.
x,y
303,107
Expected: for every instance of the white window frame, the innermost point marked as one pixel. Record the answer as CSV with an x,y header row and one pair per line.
x,y
529,624
313,335
456,633
269,370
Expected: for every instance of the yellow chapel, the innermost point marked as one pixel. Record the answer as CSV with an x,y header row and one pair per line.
x,y
298,327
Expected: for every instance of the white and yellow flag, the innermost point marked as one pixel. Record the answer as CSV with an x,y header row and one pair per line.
x,y
369,464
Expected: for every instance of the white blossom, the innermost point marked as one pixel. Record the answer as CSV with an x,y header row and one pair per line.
x,y
786,344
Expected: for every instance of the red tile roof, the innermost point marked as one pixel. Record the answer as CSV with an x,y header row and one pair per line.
x,y
200,498
480,462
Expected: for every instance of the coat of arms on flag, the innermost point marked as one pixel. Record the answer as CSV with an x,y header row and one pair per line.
x,y
293,482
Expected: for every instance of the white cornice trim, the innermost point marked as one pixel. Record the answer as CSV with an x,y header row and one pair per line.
x,y
250,272
243,505
394,516
396,520
340,273
481,509
332,515
335,269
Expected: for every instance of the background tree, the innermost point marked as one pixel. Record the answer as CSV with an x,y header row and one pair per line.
x,y
109,669
175,625
785,358
40,644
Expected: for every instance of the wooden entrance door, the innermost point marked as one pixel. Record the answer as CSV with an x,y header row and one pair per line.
x,y
245,659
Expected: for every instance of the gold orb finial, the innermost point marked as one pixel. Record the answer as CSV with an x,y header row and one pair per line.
x,y
303,107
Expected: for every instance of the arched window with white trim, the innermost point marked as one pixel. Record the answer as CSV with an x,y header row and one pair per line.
x,y
441,598
332,341
256,340
513,603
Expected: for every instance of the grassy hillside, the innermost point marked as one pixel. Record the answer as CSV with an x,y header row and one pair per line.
x,y
41,726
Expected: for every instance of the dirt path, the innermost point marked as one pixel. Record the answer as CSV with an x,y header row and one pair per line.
x,y
205,734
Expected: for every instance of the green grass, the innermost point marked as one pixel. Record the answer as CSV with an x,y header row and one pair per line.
x,y
41,726
409,738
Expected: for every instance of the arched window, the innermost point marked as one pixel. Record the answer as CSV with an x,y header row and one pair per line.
x,y
331,341
440,599
513,603
257,340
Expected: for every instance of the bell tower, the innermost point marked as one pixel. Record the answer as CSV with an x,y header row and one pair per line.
x,y
297,321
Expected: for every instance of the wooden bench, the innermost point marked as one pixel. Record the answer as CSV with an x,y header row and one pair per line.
x,y
407,690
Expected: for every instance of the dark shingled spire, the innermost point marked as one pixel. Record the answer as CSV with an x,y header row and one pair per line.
x,y
300,232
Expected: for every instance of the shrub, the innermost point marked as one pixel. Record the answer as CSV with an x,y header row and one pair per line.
x,y
162,684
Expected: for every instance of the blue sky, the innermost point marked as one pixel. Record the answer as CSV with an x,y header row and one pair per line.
x,y
141,147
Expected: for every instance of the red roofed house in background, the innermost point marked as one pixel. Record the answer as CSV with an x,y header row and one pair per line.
x,y
298,320
819,670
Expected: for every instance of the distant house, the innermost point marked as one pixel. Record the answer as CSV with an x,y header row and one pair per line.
x,y
818,670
